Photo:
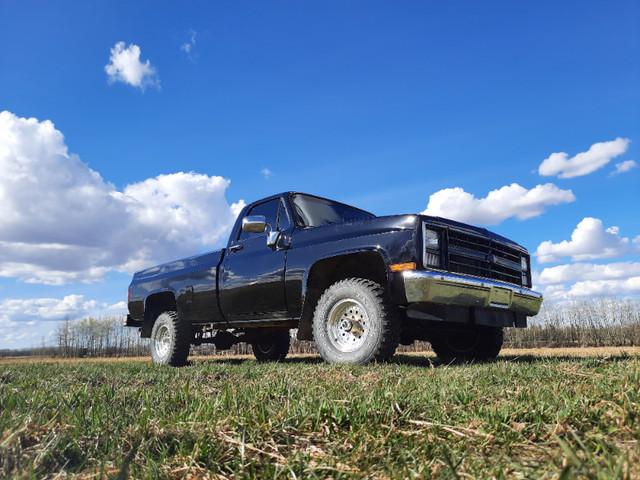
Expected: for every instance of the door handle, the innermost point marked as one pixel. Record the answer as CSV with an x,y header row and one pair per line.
x,y
235,248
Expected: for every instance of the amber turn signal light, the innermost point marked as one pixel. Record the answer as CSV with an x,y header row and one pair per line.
x,y
401,267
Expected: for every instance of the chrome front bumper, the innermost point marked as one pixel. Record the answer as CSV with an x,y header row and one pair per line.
x,y
449,289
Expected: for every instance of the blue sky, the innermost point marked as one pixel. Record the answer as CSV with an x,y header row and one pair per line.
x,y
132,132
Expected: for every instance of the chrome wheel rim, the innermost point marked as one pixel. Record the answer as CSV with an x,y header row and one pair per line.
x,y
162,341
348,325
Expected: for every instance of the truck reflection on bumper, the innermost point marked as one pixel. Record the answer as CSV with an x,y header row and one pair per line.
x,y
448,289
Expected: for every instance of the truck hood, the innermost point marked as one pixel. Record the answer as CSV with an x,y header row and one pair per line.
x,y
383,224
353,229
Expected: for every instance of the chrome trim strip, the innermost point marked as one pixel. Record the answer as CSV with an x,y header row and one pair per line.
x,y
508,263
491,239
491,258
439,225
466,252
471,232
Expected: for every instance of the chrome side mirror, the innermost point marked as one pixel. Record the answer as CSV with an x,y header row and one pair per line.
x,y
254,224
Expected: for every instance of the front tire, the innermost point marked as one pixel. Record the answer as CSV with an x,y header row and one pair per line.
x,y
170,340
479,344
273,347
355,322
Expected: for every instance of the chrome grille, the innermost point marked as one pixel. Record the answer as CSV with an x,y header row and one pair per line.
x,y
472,254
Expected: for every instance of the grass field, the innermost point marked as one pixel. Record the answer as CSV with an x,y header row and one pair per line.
x,y
571,415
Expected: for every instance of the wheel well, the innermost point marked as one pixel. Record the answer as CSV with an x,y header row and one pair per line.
x,y
154,306
328,271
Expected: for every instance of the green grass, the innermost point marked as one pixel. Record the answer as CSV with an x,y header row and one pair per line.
x,y
519,417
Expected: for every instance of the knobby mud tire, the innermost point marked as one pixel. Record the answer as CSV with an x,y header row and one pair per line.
x,y
479,344
355,322
170,340
273,347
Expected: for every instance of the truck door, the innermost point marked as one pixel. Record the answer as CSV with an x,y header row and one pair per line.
x,y
251,284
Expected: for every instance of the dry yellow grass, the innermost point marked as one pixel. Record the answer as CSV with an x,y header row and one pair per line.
x,y
538,352
37,359
573,351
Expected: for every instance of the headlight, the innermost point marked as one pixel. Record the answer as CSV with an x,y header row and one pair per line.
x,y
431,242
431,238
524,263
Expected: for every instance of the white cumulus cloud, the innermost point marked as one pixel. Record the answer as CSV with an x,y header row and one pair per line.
x,y
267,173
627,286
61,222
509,201
125,66
623,167
598,155
563,282
14,310
581,272
24,321
589,240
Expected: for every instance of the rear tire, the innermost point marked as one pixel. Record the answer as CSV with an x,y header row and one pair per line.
x,y
355,322
273,347
170,340
478,344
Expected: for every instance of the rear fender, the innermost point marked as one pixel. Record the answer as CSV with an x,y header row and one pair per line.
x,y
155,304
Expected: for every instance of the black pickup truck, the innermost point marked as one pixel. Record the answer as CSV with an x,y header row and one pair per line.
x,y
356,284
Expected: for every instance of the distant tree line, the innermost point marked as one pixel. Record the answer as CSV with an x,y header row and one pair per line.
x,y
590,322
99,337
88,337
595,322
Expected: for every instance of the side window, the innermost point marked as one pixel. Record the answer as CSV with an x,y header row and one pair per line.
x,y
270,211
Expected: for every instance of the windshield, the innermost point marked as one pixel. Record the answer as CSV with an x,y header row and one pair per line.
x,y
317,212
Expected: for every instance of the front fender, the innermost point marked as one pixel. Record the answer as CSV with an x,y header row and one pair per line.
x,y
339,255
369,263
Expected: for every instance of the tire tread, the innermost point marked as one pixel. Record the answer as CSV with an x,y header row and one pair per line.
x,y
489,344
182,341
389,323
281,340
